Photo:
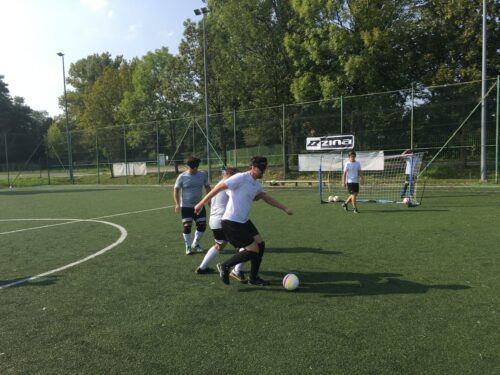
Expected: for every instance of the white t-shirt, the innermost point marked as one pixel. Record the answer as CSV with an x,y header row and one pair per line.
x,y
242,189
217,209
352,169
413,162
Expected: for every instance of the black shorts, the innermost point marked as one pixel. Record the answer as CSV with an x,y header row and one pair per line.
x,y
219,236
238,234
353,188
188,215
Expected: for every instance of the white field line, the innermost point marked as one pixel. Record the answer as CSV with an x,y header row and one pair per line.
x,y
123,235
72,221
122,230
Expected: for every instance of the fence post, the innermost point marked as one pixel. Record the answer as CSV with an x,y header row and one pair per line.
x,y
125,154
411,115
158,151
284,142
496,141
234,138
47,160
97,159
6,157
341,114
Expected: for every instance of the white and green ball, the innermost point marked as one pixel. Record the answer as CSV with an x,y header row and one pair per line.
x,y
290,281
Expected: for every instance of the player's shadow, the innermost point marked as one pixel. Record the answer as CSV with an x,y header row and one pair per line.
x,y
293,250
346,284
405,211
17,283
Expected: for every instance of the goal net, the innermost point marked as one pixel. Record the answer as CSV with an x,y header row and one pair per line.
x,y
386,178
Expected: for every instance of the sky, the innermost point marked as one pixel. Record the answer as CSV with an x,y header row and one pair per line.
x,y
32,32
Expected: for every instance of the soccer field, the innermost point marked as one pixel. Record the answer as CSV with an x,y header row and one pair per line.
x,y
393,290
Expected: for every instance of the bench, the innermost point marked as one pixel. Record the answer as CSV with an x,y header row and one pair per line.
x,y
295,183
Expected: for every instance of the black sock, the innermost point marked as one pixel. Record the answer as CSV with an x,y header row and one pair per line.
x,y
240,257
254,270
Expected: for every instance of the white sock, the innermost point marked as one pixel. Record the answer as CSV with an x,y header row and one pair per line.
x,y
239,267
209,256
197,237
187,238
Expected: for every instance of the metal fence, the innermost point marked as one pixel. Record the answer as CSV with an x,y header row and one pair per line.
x,y
421,118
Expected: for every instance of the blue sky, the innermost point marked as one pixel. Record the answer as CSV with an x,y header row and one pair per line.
x,y
33,31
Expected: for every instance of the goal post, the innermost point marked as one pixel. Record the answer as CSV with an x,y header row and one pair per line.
x,y
386,178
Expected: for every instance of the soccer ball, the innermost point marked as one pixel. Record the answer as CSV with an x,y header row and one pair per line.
x,y
290,281
333,198
336,198
330,198
406,200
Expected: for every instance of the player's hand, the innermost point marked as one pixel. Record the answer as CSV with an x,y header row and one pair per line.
x,y
289,211
177,208
197,208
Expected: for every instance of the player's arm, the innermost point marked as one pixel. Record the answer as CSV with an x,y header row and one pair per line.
x,y
360,172
217,189
344,176
176,200
273,202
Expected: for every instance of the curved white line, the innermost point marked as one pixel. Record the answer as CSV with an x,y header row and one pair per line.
x,y
123,235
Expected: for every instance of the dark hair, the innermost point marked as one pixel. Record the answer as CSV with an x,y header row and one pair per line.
x,y
193,162
352,153
259,162
231,171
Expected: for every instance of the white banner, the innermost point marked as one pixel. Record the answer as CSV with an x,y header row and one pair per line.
x,y
133,169
370,161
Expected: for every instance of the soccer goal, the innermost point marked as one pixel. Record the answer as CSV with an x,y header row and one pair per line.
x,y
386,178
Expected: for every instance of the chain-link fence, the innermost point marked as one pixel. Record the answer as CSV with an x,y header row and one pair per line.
x,y
421,118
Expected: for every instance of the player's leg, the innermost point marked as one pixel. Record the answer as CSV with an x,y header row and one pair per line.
x,y
187,214
201,226
241,236
405,187
220,244
354,190
254,279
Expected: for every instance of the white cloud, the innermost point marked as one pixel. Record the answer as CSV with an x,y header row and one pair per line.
x,y
95,5
134,28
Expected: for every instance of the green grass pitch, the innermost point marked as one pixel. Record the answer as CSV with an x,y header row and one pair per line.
x,y
392,290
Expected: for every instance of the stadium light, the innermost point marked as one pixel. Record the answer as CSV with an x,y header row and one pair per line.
x,y
68,134
204,11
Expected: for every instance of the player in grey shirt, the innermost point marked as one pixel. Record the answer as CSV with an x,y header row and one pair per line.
x,y
188,190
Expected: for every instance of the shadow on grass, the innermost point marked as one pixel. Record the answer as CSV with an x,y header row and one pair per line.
x,y
412,210
292,250
21,282
346,284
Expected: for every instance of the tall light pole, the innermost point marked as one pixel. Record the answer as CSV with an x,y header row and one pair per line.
x,y
203,11
484,138
68,134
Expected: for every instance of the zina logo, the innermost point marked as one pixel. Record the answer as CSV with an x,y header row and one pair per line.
x,y
336,142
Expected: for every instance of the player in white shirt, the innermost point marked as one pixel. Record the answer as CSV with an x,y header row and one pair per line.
x,y
187,191
217,209
413,162
243,189
351,177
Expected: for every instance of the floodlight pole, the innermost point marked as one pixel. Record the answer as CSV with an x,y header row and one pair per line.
x,y
484,174
68,134
203,11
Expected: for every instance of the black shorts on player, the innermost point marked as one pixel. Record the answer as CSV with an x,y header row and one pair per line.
x,y
238,234
353,187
